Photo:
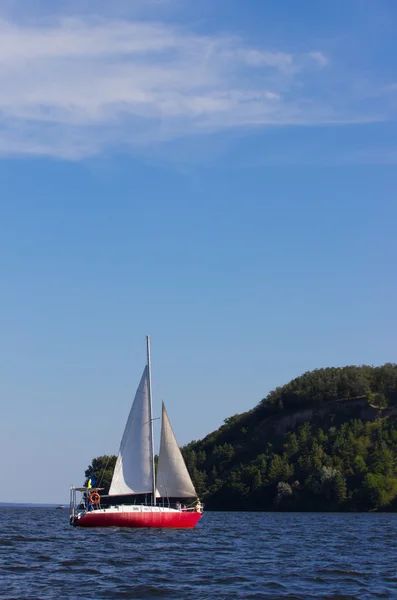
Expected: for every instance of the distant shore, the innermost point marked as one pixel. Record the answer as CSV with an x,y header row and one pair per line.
x,y
28,505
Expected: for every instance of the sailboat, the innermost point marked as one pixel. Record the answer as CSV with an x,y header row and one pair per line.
x,y
135,477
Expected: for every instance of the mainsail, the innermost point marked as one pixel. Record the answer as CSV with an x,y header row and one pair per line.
x,y
173,479
133,471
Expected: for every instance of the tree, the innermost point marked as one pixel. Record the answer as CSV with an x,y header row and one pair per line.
x,y
291,446
378,491
276,468
284,491
333,485
380,400
199,479
101,468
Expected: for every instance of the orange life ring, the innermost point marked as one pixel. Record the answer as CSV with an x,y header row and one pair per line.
x,y
95,498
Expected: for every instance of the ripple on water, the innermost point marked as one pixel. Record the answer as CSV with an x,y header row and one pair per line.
x,y
229,555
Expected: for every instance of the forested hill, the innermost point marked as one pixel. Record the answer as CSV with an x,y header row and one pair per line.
x,y
325,441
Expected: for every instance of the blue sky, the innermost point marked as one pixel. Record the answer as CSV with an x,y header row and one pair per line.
x,y
221,176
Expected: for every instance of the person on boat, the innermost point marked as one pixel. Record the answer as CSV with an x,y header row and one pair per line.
x,y
184,508
199,507
178,506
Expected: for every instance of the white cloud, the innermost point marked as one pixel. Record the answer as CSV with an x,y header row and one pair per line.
x,y
319,58
279,60
78,86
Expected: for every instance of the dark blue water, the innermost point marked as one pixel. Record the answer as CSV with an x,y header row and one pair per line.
x,y
228,555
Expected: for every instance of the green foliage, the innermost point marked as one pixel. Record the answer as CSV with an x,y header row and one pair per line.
x,y
101,468
284,493
378,491
327,385
343,458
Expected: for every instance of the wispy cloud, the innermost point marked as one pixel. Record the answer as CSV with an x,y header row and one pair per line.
x,y
319,57
77,86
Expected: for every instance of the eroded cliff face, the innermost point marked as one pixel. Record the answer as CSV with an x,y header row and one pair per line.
x,y
338,411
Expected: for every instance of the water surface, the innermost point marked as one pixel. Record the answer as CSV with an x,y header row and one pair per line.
x,y
228,555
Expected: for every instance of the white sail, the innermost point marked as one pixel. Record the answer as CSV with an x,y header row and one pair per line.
x,y
173,479
133,470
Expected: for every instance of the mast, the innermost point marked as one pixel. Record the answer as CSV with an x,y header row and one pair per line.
x,y
151,422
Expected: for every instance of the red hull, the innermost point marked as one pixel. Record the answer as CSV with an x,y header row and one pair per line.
x,y
181,520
